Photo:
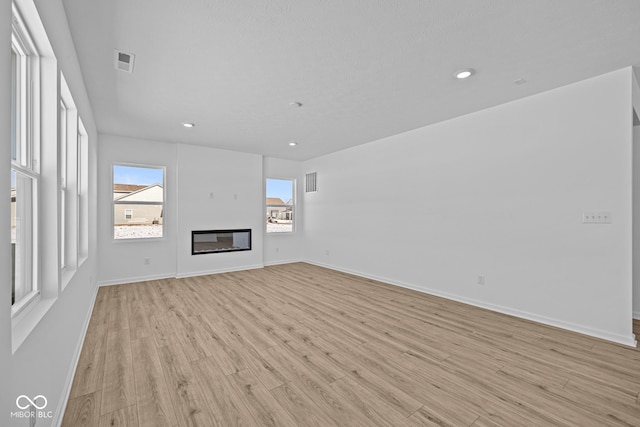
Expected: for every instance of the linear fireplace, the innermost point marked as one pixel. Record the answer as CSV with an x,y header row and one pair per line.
x,y
216,241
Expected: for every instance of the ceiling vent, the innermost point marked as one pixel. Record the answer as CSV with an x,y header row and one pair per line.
x,y
123,61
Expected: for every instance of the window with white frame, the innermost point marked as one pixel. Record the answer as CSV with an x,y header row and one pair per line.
x,y
280,205
138,202
62,179
83,192
68,181
25,168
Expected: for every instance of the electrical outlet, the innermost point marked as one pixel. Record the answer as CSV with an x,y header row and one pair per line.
x,y
147,261
593,217
327,252
481,280
277,250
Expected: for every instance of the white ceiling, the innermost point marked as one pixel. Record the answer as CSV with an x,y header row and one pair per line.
x,y
364,69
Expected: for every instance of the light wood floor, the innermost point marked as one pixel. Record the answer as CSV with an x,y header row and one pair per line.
x,y
298,345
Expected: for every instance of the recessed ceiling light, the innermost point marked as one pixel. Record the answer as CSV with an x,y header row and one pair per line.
x,y
188,125
293,144
295,104
464,73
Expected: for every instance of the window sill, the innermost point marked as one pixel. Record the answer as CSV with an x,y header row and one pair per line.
x,y
139,239
82,259
67,275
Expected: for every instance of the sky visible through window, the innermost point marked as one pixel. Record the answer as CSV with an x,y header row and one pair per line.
x,y
137,175
280,188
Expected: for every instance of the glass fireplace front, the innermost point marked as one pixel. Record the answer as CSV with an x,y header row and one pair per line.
x,y
216,241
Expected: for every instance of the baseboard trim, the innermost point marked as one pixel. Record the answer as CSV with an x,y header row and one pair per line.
x,y
288,261
620,339
219,271
62,405
127,280
636,315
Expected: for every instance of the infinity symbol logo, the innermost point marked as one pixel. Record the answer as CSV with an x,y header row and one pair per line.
x,y
22,398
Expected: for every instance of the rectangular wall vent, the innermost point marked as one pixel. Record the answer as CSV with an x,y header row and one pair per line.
x,y
124,61
311,181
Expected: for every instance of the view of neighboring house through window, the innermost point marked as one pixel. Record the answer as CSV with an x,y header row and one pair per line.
x,y
138,202
280,205
25,170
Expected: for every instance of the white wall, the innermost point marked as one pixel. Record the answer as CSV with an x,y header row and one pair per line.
x,y
218,190
44,362
6,361
498,193
636,222
123,261
280,248
636,200
193,174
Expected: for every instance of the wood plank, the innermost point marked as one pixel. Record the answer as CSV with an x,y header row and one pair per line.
x,y
486,422
299,344
225,408
118,313
83,411
377,410
126,417
154,404
259,402
268,375
91,365
312,385
118,390
186,395
303,410
139,326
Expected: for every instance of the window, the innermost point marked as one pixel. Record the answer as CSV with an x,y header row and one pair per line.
x,y
138,202
280,205
63,184
83,192
25,171
68,182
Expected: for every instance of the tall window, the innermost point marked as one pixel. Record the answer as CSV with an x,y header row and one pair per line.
x,y
280,205
25,170
138,202
62,179
83,192
68,182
